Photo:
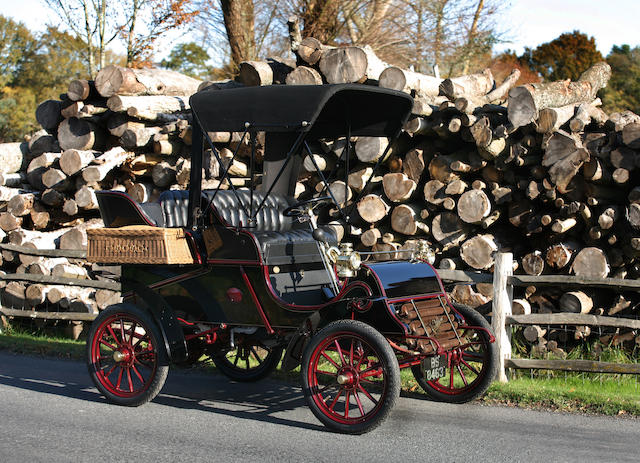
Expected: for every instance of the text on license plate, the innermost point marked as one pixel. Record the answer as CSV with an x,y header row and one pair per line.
x,y
435,367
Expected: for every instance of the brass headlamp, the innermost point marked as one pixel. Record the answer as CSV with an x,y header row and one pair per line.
x,y
347,261
424,252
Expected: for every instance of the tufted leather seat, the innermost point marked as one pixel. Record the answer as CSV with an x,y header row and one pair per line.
x,y
279,242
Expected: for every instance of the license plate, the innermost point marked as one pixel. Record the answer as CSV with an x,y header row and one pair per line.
x,y
435,367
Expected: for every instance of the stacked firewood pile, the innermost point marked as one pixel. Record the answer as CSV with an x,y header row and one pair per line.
x,y
538,170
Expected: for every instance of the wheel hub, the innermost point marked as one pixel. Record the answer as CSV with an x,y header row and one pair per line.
x,y
122,355
347,378
456,356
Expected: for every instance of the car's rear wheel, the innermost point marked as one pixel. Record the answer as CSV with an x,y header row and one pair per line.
x,y
126,361
350,377
471,367
249,360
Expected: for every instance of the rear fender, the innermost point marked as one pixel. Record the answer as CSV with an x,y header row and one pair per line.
x,y
175,343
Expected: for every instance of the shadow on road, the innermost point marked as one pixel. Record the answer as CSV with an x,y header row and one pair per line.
x,y
261,401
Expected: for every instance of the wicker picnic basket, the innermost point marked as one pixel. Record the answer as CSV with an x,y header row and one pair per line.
x,y
138,245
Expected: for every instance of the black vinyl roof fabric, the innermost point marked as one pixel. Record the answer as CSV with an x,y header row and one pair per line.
x,y
323,110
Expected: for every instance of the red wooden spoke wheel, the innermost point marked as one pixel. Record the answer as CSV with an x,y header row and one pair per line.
x,y
350,376
471,367
125,360
248,361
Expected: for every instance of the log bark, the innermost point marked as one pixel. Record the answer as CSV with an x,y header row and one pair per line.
x,y
138,137
106,162
271,71
311,50
113,80
76,238
551,119
80,134
21,204
414,164
575,302
73,161
525,102
533,263
448,230
303,75
82,89
590,262
398,187
85,198
396,78
404,219
370,237
148,107
12,157
56,179
351,64
372,208
469,85
473,206
48,114
163,174
478,251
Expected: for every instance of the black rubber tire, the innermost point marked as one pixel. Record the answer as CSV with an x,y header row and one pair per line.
x,y
382,351
481,383
244,375
157,377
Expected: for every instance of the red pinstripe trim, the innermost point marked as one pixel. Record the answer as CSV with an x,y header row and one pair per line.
x,y
263,315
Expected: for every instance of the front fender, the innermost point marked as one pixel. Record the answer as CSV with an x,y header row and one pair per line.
x,y
174,340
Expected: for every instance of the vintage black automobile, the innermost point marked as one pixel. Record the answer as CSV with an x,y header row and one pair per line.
x,y
263,277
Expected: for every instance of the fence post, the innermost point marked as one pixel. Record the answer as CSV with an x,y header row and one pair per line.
x,y
502,297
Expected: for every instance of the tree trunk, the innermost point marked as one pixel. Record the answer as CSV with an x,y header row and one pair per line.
x,y
239,22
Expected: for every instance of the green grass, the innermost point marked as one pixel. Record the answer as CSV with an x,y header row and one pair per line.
x,y
571,392
609,395
23,342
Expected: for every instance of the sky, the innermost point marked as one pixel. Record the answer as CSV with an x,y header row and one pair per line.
x,y
527,22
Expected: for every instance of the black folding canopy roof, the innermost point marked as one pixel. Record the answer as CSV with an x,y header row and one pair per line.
x,y
322,110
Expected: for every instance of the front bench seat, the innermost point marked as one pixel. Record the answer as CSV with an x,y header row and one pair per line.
x,y
281,241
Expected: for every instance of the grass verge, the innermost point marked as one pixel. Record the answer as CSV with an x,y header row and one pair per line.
x,y
575,393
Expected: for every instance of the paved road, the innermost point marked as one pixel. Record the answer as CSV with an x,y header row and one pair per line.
x,y
49,411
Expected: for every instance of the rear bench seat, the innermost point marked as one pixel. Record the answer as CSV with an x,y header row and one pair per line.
x,y
281,240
